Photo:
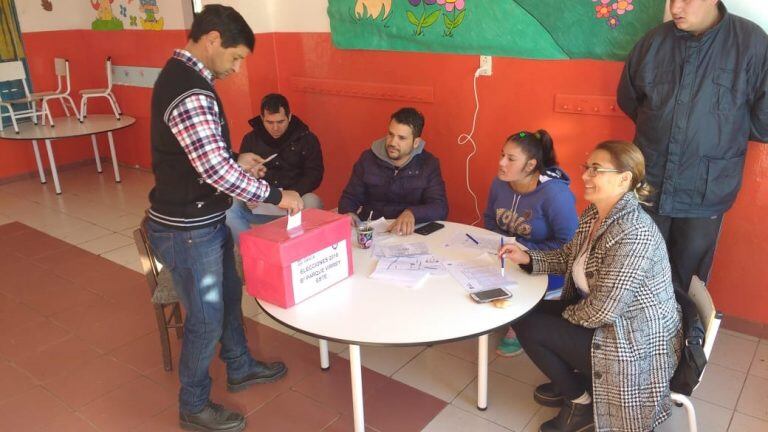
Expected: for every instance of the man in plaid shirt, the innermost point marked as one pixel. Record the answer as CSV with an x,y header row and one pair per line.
x,y
196,176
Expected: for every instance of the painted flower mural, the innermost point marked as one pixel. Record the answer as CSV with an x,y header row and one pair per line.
x,y
452,18
610,9
427,18
451,4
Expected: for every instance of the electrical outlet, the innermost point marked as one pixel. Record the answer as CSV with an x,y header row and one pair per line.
x,y
486,66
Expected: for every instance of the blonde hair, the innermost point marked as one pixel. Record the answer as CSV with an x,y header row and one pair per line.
x,y
627,157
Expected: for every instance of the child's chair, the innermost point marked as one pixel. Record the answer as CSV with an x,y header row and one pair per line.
x,y
100,92
61,93
13,72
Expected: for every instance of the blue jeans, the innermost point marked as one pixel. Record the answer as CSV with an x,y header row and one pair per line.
x,y
202,264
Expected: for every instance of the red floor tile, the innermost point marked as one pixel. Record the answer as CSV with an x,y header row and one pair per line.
x,y
57,359
333,387
83,316
14,228
30,410
414,408
118,330
69,422
169,380
30,338
76,264
145,354
129,407
166,421
34,245
16,277
90,381
14,315
345,423
15,381
49,294
291,411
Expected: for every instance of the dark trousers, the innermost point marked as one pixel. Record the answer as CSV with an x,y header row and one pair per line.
x,y
691,246
557,347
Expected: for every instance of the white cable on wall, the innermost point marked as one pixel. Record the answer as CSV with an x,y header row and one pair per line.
x,y
464,138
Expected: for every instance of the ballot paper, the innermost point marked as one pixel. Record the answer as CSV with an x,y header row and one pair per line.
x,y
485,242
411,271
400,249
479,274
294,221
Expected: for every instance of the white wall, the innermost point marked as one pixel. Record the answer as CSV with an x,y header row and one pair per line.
x,y
266,16
78,14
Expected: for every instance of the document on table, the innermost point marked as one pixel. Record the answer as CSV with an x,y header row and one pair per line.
x,y
484,242
400,249
478,274
410,271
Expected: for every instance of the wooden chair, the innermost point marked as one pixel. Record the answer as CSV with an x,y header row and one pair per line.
x,y
164,298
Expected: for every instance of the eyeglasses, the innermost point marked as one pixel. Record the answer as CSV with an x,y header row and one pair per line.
x,y
593,170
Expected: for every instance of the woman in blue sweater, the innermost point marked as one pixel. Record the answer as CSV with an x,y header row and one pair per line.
x,y
530,200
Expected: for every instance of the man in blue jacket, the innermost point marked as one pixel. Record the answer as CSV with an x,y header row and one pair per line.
x,y
397,179
697,89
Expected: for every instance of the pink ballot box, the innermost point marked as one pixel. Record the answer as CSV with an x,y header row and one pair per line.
x,y
285,267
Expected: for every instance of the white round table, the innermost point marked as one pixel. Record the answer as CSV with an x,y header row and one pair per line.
x,y
69,127
363,311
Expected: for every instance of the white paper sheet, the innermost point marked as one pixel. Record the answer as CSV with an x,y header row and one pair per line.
x,y
478,274
294,221
485,242
410,271
400,249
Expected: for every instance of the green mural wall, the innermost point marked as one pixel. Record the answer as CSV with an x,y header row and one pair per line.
x,y
541,29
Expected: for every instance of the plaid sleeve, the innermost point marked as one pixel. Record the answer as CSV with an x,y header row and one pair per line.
x,y
195,123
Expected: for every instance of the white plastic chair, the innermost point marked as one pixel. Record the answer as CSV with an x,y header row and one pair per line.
x,y
100,92
61,93
711,319
14,72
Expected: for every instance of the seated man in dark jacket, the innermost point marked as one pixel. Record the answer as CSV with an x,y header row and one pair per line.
x,y
297,164
397,179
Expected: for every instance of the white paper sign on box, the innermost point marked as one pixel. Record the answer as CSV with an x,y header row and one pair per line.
x,y
318,271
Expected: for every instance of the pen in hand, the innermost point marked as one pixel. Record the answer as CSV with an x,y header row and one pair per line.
x,y
501,257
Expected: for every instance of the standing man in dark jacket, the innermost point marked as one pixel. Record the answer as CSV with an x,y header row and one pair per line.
x,y
397,179
697,89
195,175
296,164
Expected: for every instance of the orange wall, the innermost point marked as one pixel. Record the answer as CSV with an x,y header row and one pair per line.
x,y
518,96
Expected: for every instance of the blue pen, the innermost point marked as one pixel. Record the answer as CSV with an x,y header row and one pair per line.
x,y
501,245
473,239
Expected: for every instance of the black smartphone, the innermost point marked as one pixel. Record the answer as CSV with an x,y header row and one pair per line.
x,y
428,228
490,295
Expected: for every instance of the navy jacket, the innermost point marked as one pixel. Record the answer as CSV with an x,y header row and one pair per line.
x,y
377,185
298,165
696,101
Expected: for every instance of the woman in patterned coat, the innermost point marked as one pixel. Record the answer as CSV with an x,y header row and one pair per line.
x,y
618,324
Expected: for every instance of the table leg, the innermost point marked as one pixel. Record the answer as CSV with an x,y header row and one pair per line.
x,y
357,387
325,362
114,156
39,162
96,153
482,372
54,172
